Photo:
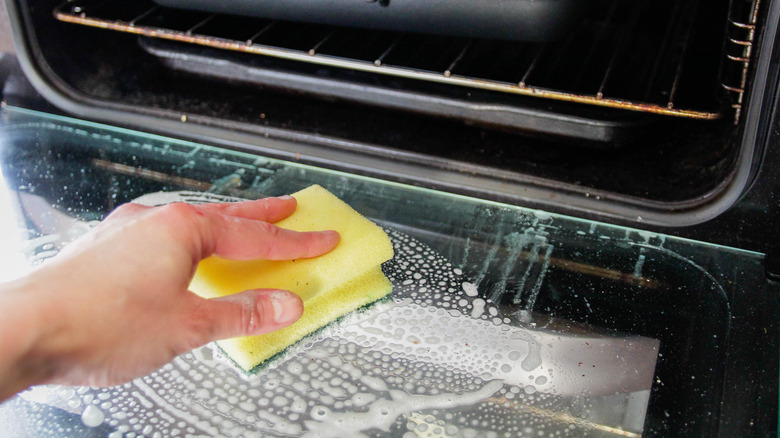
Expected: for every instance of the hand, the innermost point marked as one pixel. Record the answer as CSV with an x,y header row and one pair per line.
x,y
114,305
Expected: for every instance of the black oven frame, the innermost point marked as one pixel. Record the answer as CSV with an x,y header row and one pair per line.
x,y
744,214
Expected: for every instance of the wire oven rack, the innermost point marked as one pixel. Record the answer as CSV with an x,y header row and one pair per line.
x,y
629,57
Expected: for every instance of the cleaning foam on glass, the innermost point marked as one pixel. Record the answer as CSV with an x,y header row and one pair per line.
x,y
331,285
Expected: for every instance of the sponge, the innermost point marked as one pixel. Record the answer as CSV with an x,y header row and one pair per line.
x,y
331,285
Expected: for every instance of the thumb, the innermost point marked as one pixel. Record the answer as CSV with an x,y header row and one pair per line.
x,y
249,313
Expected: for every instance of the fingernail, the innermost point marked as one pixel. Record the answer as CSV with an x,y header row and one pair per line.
x,y
284,197
332,238
285,306
332,234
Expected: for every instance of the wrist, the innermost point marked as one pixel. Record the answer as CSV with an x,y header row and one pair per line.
x,y
21,366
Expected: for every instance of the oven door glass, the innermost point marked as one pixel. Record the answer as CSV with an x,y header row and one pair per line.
x,y
504,321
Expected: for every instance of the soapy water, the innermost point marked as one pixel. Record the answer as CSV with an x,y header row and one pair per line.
x,y
434,360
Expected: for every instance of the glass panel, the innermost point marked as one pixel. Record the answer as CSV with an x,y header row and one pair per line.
x,y
504,321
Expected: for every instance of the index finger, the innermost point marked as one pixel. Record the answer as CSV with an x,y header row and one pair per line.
x,y
243,231
266,209
247,239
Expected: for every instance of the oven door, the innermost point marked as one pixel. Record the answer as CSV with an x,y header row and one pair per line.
x,y
504,321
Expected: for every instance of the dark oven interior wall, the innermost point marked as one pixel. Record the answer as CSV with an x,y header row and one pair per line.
x,y
670,160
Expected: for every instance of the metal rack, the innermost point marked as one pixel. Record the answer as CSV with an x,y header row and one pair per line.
x,y
604,47
742,34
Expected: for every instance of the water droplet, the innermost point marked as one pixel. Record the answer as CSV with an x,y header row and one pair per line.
x,y
92,416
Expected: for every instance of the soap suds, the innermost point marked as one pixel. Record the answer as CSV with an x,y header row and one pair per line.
x,y
435,359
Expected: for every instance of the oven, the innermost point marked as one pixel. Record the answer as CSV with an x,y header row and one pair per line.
x,y
583,201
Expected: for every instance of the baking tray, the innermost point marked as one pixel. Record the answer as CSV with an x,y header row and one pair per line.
x,y
530,20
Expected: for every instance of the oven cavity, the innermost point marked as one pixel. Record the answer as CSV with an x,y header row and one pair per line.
x,y
651,57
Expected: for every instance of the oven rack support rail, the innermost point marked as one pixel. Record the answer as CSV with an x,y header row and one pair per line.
x,y
742,34
80,12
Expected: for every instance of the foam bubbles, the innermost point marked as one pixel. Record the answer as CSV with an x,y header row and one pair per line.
x,y
469,289
434,360
478,308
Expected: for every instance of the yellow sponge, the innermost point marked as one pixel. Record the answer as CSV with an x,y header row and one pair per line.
x,y
331,285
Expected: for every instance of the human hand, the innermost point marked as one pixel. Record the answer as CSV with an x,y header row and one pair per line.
x,y
114,305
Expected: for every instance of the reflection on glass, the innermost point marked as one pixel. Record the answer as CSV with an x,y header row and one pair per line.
x,y
504,321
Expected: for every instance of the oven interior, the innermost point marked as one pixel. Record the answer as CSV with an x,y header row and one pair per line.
x,y
639,102
639,111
